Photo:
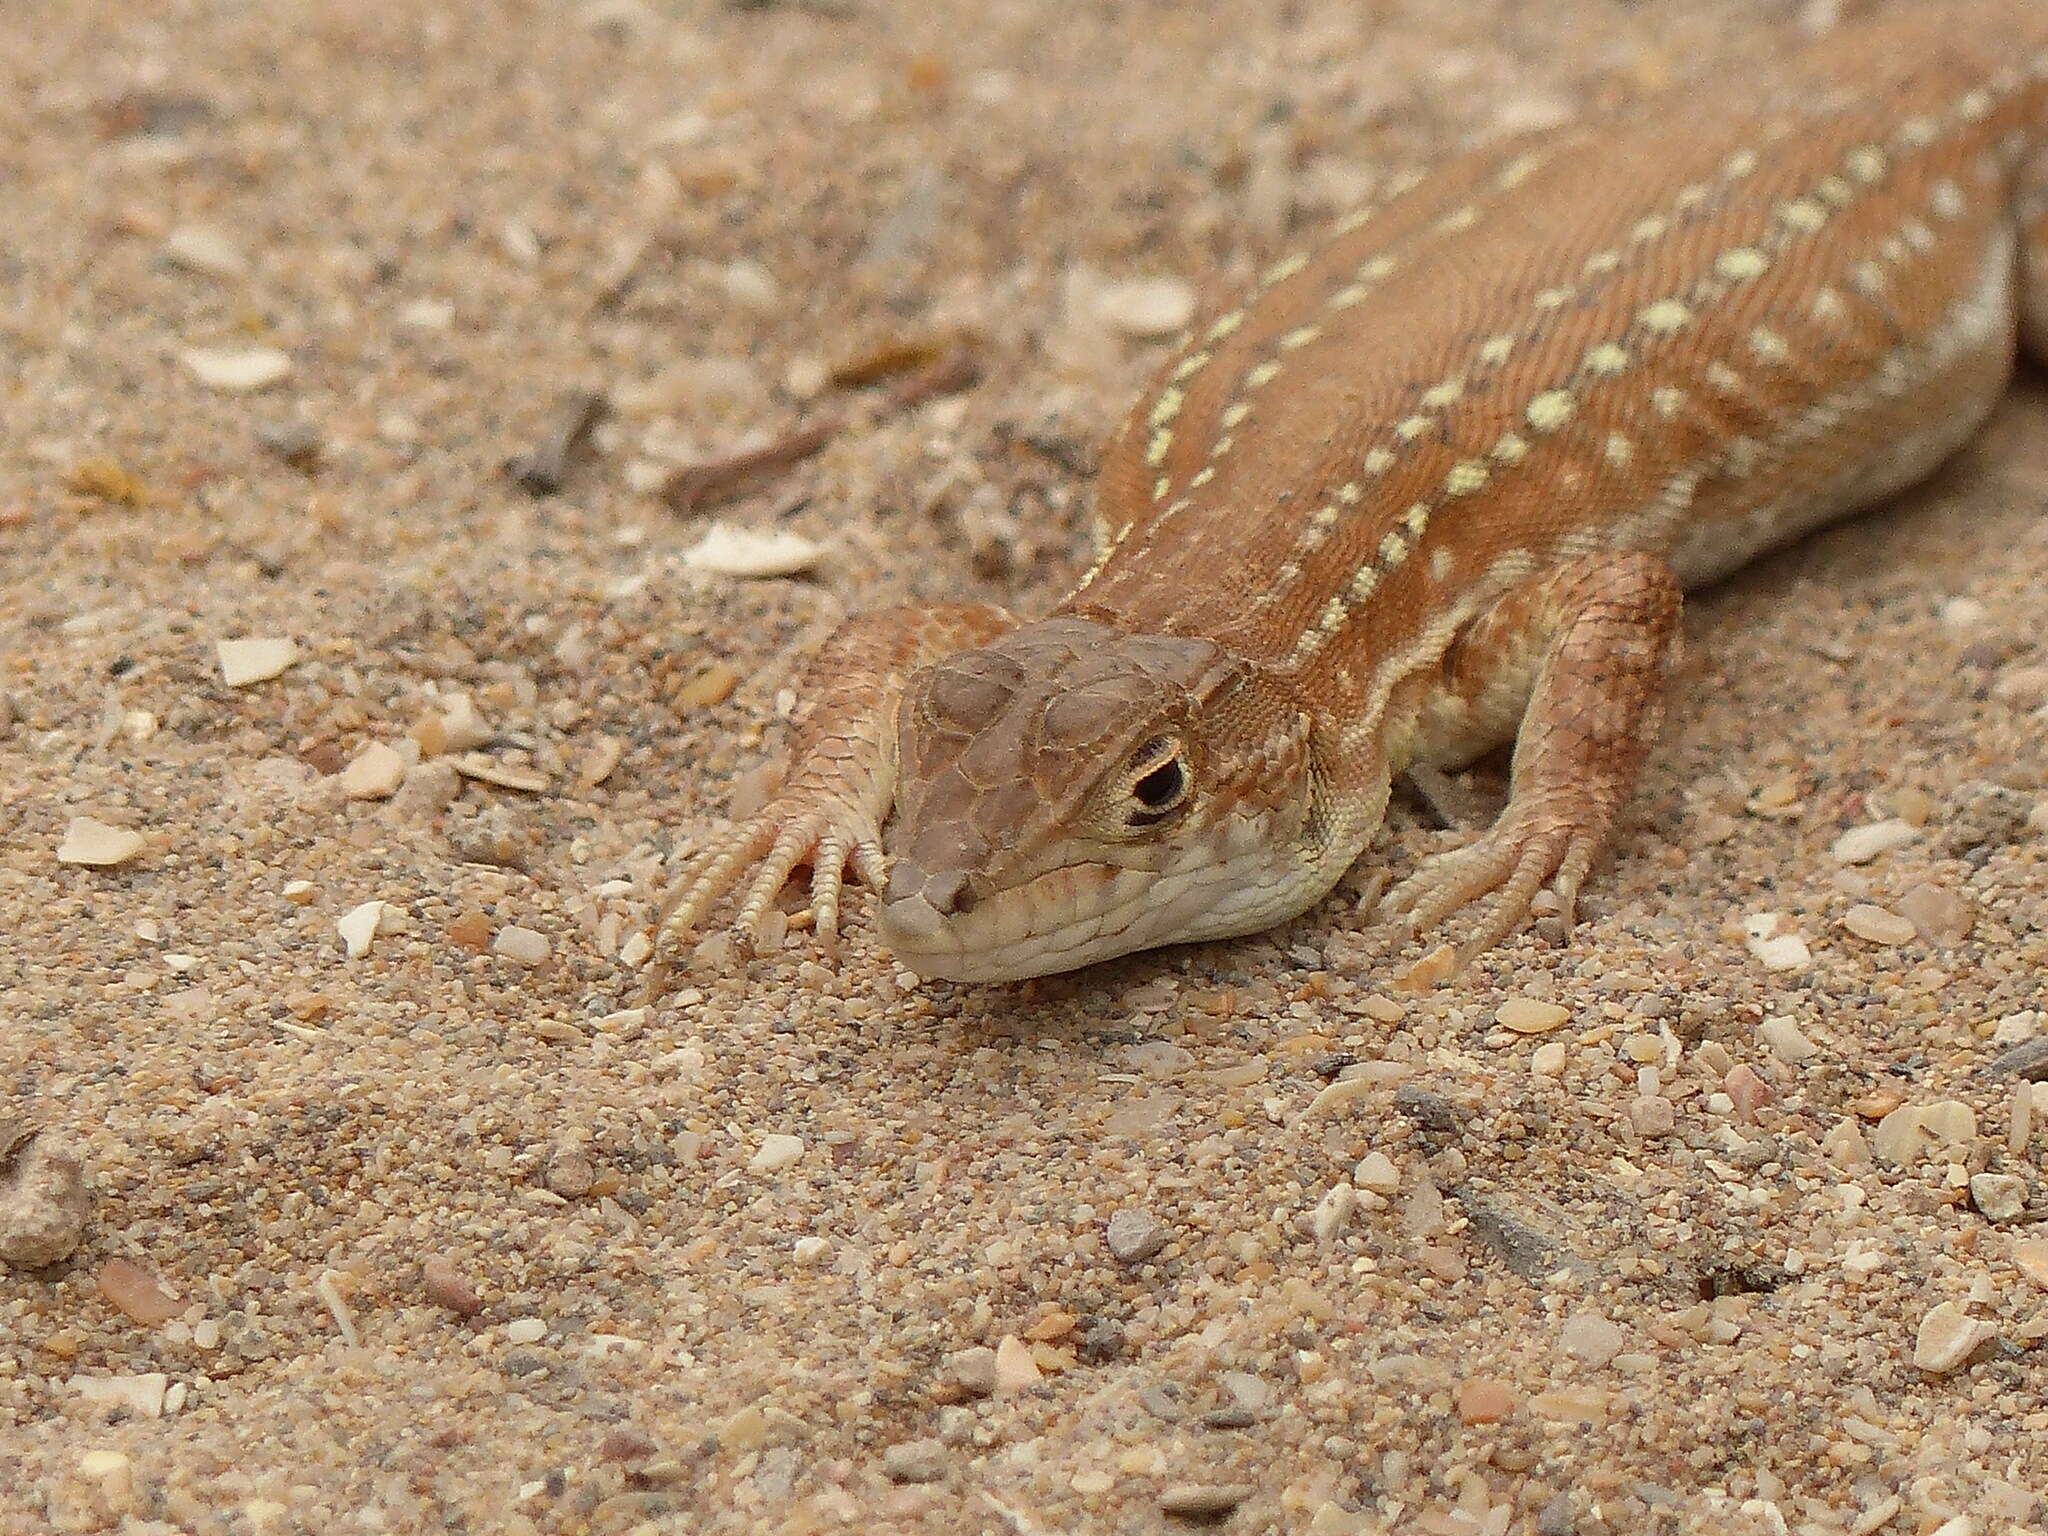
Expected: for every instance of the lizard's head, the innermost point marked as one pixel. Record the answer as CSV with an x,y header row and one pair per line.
x,y
1070,792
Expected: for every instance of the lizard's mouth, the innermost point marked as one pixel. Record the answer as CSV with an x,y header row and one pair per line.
x,y
1066,917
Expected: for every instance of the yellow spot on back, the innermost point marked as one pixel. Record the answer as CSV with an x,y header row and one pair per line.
x,y
1517,171
1440,562
1691,195
1739,164
1650,228
1803,214
1393,550
1620,451
1441,395
1742,454
1551,410
1553,298
1601,261
1768,344
1725,379
1868,277
1160,487
1377,268
1866,163
1466,477
1363,583
1378,461
1285,268
1300,336
1947,199
1497,349
1413,427
1918,236
1667,402
1459,218
1262,375
1974,107
1742,263
1202,476
1509,448
1225,323
1350,493
1166,407
1666,315
1155,451
1190,365
1835,190
1416,518
1235,414
1828,305
1917,132
1607,359
1348,295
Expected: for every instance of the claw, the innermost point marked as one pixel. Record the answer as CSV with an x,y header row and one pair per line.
x,y
1512,861
763,852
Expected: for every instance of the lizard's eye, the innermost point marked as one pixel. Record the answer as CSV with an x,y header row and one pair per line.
x,y
1160,789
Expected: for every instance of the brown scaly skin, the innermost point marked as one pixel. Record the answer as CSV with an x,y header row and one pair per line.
x,y
1437,485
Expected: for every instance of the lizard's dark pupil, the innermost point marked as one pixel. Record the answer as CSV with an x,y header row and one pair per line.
x,y
1162,786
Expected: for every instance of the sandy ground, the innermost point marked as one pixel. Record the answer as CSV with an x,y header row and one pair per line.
x,y
451,1234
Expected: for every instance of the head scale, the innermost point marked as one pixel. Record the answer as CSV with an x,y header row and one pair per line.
x,y
1071,792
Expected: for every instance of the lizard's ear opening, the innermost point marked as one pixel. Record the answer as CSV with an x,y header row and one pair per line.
x,y
1159,782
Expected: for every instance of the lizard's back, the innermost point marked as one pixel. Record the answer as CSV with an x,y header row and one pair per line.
x,y
1696,329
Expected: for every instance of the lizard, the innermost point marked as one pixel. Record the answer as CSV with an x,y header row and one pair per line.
x,y
1435,485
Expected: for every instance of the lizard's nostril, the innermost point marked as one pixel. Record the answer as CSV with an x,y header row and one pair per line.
x,y
949,893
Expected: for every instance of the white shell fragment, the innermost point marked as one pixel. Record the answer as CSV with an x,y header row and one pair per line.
x,y
94,843
751,553
237,370
358,926
255,660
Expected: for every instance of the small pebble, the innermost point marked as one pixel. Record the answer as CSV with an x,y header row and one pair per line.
x,y
1878,926
915,1461
750,553
1376,1172
43,1202
97,845
1936,912
1746,1092
1203,1501
1016,1366
374,773
1785,1040
1135,1236
203,248
1859,845
1528,1016
1947,1337
1548,1059
446,1287
1591,1339
777,1150
2031,1257
974,1369
526,1330
237,370
256,659
1777,951
522,946
137,1293
2000,1196
1482,1400
1334,1211
1146,307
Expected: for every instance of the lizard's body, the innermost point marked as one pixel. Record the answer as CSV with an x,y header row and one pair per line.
x,y
1436,482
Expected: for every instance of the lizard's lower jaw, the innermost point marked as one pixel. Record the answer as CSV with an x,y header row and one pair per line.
x,y
1081,913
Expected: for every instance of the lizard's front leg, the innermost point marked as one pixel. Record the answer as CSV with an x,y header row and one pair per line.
x,y
1587,646
830,809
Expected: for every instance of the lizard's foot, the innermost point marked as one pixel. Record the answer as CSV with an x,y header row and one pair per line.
x,y
1525,849
796,828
